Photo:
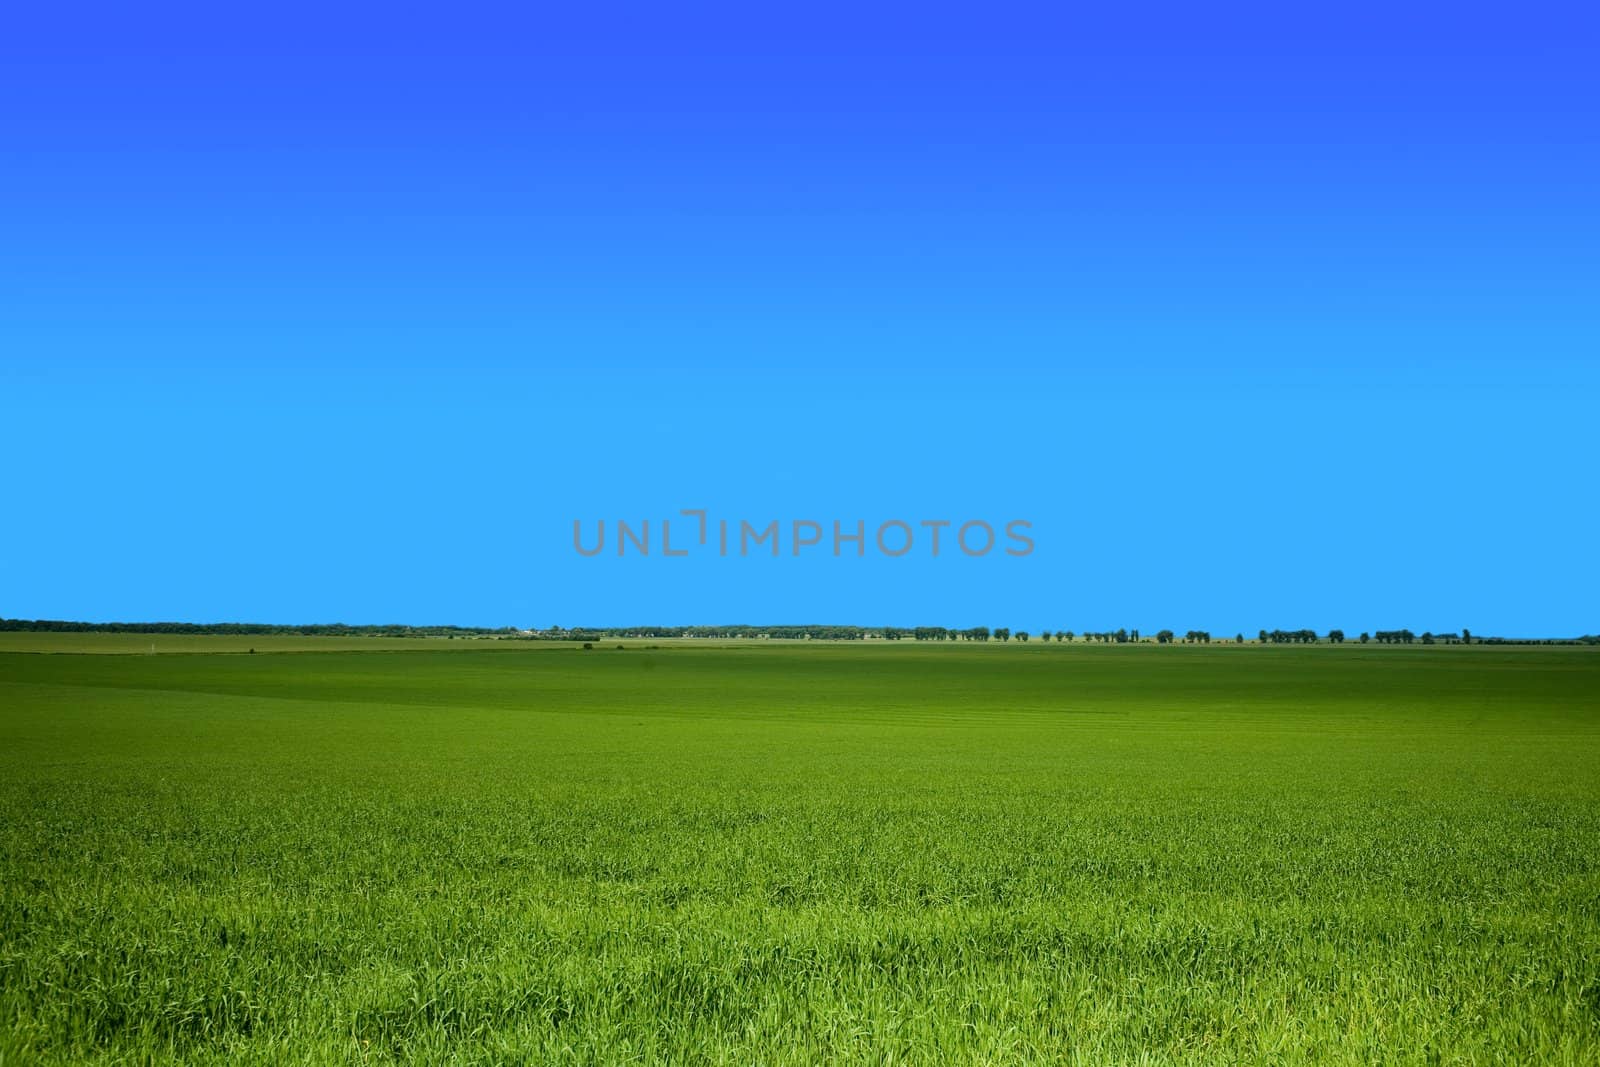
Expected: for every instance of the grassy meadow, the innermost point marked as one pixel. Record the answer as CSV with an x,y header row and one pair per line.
x,y
774,854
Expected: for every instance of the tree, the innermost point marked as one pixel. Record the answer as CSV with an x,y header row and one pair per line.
x,y
1466,637
1022,635
1336,636
1163,637
1068,635
1365,637
1238,639
1044,635
1003,633
1261,637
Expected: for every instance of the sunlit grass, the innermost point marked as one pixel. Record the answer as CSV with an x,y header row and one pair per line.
x,y
792,855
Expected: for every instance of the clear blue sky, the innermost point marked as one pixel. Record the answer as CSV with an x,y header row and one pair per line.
x,y
1262,316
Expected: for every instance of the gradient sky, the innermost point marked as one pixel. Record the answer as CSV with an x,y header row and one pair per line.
x,y
1261,317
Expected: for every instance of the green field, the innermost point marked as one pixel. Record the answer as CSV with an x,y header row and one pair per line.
x,y
779,854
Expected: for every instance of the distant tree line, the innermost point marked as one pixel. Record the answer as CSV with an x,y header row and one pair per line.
x,y
333,629
785,632
1005,634
1287,637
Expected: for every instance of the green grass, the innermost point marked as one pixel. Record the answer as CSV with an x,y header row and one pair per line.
x,y
802,854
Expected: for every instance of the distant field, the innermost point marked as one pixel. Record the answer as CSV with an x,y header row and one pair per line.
x,y
518,852
133,644
228,644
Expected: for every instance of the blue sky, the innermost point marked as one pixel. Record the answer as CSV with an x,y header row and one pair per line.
x,y
1261,318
